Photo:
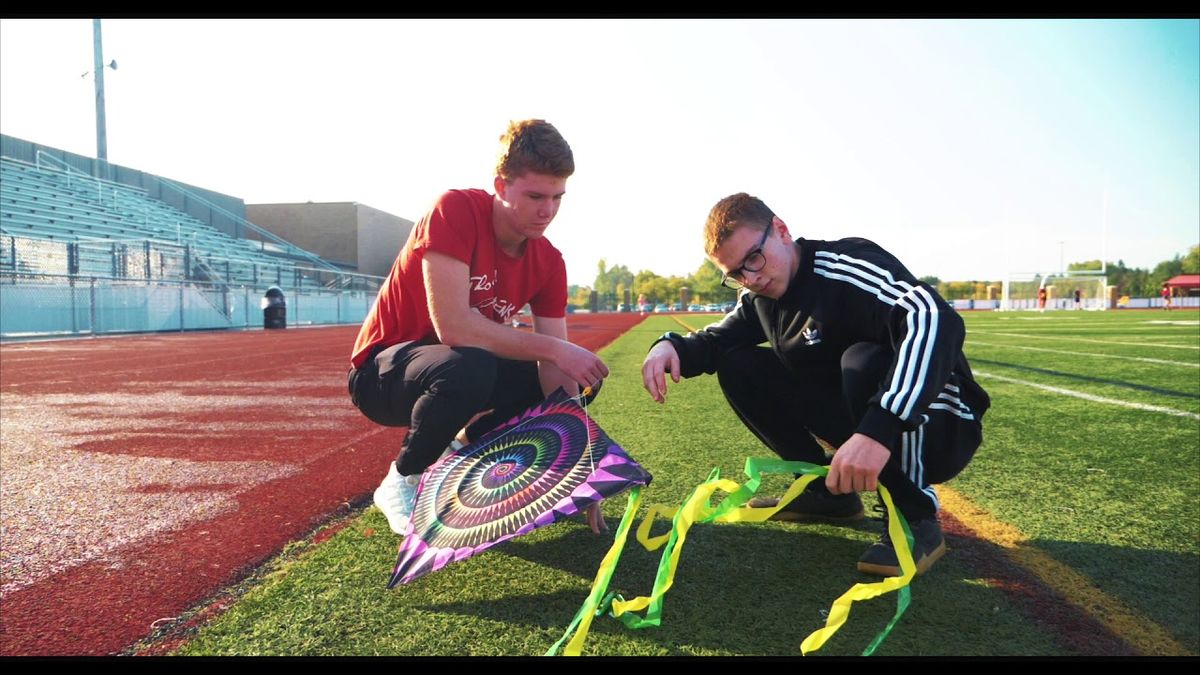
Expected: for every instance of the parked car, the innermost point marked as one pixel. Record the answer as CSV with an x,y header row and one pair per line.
x,y
661,307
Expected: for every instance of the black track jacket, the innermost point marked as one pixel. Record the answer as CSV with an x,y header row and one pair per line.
x,y
845,292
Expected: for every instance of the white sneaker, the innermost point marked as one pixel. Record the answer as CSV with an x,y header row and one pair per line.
x,y
396,496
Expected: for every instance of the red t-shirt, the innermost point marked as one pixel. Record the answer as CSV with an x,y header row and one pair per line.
x,y
460,225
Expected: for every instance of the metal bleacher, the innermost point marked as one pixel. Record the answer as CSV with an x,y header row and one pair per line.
x,y
87,226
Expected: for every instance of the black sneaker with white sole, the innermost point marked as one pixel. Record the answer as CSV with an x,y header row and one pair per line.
x,y
928,546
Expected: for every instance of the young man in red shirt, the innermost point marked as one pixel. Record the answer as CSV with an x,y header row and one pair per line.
x,y
436,352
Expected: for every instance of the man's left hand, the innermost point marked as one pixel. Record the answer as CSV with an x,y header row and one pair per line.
x,y
856,465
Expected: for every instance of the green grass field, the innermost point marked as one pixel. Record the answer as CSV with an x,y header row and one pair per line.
x,y
1091,450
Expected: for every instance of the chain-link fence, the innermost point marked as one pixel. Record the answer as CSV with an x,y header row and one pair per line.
x,y
62,304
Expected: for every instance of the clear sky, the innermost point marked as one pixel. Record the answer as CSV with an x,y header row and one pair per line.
x,y
969,148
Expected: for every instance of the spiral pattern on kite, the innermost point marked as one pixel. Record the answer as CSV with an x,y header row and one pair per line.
x,y
500,488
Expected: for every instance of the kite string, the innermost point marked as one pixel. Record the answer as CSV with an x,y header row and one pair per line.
x,y
583,394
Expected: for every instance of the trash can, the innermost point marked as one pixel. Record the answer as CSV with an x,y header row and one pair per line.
x,y
274,308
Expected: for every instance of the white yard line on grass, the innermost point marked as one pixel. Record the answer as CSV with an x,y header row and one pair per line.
x,y
1091,397
1115,325
1079,339
1101,356
1174,323
1175,327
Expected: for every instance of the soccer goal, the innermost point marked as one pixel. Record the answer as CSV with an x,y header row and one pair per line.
x,y
1037,291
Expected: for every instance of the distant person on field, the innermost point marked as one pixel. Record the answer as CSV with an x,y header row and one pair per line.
x,y
1042,299
1078,299
1166,296
861,355
436,352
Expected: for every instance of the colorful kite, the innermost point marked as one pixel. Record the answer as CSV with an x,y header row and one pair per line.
x,y
547,464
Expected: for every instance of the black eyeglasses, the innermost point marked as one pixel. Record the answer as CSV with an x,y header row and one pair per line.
x,y
753,262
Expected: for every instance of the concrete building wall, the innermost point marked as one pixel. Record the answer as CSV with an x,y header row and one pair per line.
x,y
329,229
380,238
356,236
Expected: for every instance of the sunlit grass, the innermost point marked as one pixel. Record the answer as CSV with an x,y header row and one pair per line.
x,y
1111,491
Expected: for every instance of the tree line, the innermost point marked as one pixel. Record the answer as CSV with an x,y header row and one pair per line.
x,y
705,287
1135,282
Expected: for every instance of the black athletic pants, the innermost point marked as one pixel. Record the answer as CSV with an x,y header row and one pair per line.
x,y
785,411
434,390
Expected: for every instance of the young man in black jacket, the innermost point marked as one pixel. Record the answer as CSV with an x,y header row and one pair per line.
x,y
862,356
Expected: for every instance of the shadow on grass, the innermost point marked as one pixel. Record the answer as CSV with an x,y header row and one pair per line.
x,y
743,589
1160,585
1164,586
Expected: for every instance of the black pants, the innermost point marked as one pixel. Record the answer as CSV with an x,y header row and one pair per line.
x,y
434,390
785,411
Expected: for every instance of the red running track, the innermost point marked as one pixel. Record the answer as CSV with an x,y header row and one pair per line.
x,y
140,475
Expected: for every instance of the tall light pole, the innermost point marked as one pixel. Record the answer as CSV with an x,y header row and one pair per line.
x,y
98,73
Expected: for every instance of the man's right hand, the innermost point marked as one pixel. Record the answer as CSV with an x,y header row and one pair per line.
x,y
579,364
662,359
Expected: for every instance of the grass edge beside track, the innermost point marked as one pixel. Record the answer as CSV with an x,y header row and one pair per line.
x,y
176,632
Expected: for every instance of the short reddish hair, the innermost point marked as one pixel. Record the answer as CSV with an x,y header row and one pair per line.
x,y
732,212
533,146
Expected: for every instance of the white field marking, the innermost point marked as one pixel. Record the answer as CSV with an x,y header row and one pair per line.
x,y
1058,315
1117,328
1100,356
1091,397
1079,339
1174,323
1114,326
